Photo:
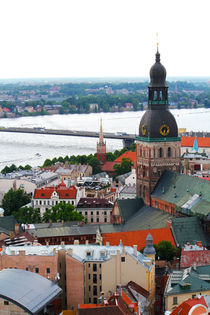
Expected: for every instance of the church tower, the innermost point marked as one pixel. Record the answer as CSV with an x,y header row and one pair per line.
x,y
101,147
158,144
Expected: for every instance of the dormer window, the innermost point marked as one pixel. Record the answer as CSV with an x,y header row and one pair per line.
x,y
42,194
89,253
67,195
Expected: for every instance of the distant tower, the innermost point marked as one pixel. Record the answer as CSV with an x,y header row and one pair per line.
x,y
101,146
195,146
158,144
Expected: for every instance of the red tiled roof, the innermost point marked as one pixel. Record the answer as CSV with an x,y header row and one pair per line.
x,y
5,109
127,155
108,167
138,237
203,142
62,191
186,306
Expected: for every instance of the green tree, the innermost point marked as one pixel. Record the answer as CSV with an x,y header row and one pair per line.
x,y
165,250
13,200
124,167
110,156
47,162
27,215
62,211
133,147
94,162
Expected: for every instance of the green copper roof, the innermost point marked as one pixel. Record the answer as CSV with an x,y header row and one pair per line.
x,y
129,207
179,188
188,229
189,283
148,139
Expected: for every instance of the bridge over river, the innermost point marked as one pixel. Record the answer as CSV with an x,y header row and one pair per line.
x,y
127,139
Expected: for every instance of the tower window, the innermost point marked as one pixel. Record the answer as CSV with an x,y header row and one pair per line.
x,y
160,152
169,152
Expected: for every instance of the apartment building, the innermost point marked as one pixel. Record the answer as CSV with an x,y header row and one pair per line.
x,y
84,271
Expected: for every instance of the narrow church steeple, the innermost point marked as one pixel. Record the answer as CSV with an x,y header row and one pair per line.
x,y
101,146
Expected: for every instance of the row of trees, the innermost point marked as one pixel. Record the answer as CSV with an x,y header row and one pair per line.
x,y
13,167
14,202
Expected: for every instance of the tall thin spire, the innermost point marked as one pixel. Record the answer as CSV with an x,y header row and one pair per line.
x,y
101,137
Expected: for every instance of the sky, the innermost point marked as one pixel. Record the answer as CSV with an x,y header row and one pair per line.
x,y
103,38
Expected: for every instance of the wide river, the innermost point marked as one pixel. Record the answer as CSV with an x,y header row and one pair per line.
x,y
22,149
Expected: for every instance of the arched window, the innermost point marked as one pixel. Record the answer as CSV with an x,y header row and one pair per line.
x,y
160,152
169,152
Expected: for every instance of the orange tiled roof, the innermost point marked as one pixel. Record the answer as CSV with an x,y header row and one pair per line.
x,y
128,155
138,238
203,142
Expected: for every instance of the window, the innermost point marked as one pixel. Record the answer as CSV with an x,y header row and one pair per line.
x,y
85,212
56,202
48,202
160,152
89,276
91,220
97,212
104,212
99,265
89,300
37,270
91,213
100,277
6,303
89,288
105,219
47,270
175,300
97,220
26,268
94,278
122,259
94,267
95,292
169,152
72,203
95,300
88,265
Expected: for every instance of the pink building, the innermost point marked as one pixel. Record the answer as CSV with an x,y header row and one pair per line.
x,y
194,255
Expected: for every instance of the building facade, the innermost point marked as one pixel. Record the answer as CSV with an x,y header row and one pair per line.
x,y
158,144
47,197
95,210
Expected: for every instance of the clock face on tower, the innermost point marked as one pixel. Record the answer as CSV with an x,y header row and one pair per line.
x,y
143,130
164,130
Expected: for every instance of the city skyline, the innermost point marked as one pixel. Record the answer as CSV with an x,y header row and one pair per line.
x,y
61,39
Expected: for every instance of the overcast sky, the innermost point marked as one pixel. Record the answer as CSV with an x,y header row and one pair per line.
x,y
103,38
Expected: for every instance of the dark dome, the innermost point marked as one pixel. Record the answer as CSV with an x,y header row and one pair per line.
x,y
158,123
157,73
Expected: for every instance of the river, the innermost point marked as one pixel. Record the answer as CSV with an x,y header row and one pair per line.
x,y
22,149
